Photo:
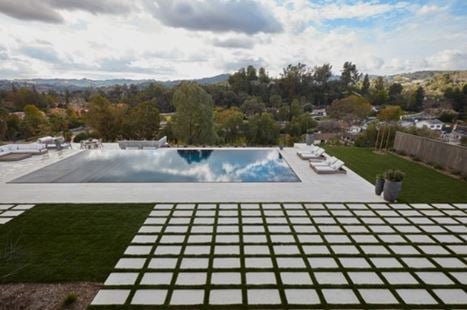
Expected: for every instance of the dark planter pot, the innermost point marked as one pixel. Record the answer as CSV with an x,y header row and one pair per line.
x,y
379,186
310,138
392,190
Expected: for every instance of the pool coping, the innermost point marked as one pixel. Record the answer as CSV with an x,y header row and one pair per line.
x,y
313,188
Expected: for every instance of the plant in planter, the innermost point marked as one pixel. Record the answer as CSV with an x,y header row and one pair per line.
x,y
310,136
379,184
392,184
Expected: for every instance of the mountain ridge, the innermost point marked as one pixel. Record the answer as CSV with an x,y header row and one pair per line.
x,y
57,84
84,83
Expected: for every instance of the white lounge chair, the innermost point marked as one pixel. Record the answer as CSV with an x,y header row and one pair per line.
x,y
323,163
312,155
336,168
311,148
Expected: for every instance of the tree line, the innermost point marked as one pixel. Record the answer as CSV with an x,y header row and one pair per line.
x,y
250,108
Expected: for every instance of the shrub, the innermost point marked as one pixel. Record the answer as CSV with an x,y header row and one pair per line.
x,y
70,298
379,177
394,175
85,136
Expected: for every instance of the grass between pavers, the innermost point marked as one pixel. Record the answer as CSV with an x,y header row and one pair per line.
x,y
66,243
421,184
338,220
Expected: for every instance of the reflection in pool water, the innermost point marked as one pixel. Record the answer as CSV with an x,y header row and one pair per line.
x,y
167,165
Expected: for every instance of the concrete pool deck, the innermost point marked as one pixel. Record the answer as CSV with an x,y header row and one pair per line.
x,y
312,188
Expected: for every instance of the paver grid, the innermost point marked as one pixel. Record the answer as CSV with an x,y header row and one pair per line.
x,y
9,211
295,255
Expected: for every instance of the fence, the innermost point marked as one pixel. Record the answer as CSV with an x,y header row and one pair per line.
x,y
450,157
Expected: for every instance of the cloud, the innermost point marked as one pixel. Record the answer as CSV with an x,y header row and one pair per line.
x,y
359,10
30,10
128,65
48,10
41,53
243,16
243,62
450,59
3,53
234,42
183,39
93,6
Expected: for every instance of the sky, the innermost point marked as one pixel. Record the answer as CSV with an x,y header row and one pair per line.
x,y
185,39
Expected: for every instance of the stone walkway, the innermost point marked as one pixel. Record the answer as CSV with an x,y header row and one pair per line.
x,y
10,211
295,256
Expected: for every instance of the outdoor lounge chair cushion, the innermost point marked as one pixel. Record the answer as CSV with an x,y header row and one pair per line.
x,y
310,149
311,155
335,168
328,162
337,165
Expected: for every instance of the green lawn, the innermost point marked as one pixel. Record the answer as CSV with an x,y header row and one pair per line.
x,y
56,243
421,184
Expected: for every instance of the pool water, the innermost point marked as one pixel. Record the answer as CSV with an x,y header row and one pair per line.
x,y
167,165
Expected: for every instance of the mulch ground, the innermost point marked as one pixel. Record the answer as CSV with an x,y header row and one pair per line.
x,y
33,296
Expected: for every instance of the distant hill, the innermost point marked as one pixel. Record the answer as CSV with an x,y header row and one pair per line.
x,y
80,84
460,76
434,82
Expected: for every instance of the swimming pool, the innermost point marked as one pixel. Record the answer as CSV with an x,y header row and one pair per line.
x,y
167,165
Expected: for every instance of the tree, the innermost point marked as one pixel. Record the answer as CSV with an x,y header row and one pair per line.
x,y
58,122
35,122
379,83
239,83
103,118
229,124
352,109
14,125
3,125
262,130
13,128
417,99
252,106
296,108
390,113
251,73
349,76
395,90
263,76
300,125
144,120
294,80
365,85
321,77
457,97
194,111
379,95
275,101
322,74
395,94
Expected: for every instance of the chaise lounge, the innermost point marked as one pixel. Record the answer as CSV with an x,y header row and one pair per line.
x,y
323,163
335,168
316,154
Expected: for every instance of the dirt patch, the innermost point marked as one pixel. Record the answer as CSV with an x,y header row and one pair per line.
x,y
34,296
